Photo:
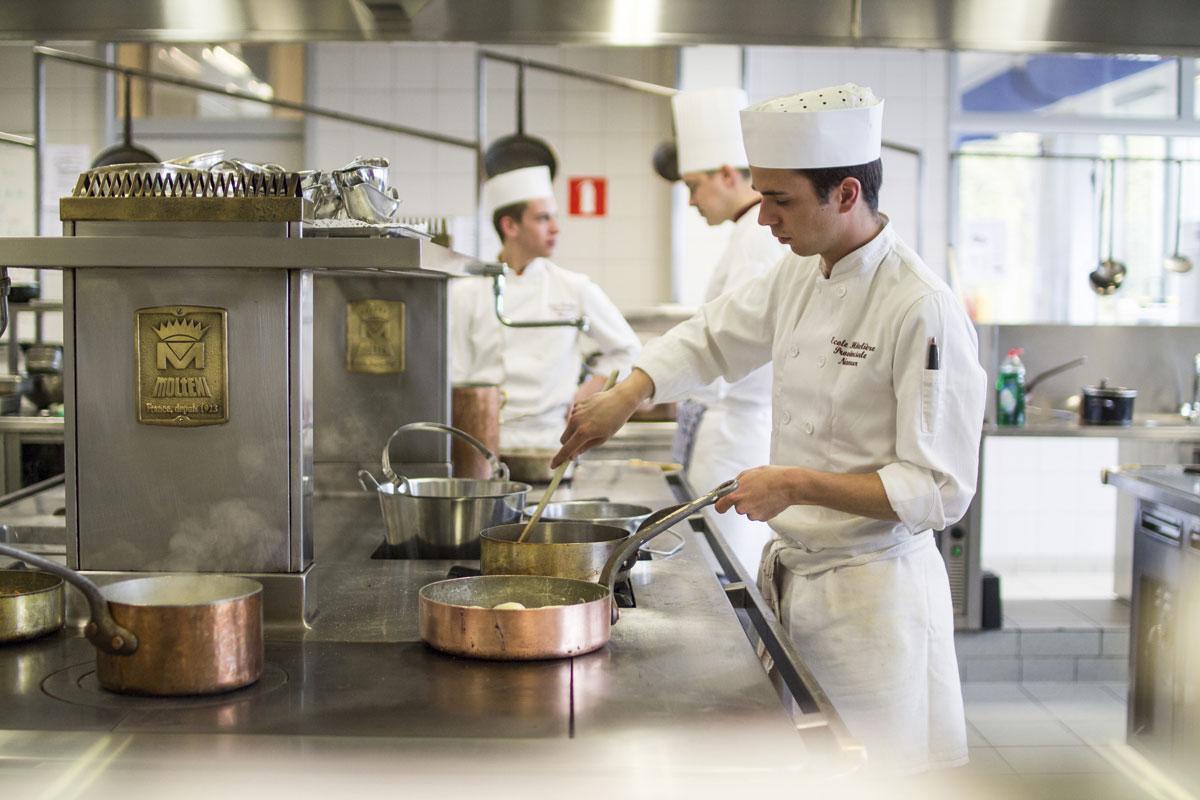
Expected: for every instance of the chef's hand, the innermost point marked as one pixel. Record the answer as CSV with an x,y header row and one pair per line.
x,y
586,389
593,421
762,493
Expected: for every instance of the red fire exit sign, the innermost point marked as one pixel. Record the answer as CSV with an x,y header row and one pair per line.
x,y
588,196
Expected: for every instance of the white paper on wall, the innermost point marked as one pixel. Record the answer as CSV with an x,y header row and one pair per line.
x,y
61,165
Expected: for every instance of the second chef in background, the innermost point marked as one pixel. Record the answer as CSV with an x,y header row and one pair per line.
x,y
734,428
537,368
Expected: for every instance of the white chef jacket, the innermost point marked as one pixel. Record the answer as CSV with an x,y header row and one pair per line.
x,y
852,394
537,368
735,432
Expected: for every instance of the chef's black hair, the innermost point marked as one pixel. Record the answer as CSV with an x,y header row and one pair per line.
x,y
516,211
869,177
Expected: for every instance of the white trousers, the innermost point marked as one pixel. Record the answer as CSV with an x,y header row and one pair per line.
x,y
879,639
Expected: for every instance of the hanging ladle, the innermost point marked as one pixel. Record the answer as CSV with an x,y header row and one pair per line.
x,y
1109,276
1177,261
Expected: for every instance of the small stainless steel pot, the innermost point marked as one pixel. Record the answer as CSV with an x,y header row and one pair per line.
x,y
562,616
1106,405
442,517
170,635
532,465
31,604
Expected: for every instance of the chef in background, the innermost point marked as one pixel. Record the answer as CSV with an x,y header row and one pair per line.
x,y
537,368
878,409
725,427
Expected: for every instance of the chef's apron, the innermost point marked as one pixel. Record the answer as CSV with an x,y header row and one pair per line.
x,y
878,635
729,441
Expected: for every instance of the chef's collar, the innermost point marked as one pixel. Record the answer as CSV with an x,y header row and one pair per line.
x,y
537,265
866,257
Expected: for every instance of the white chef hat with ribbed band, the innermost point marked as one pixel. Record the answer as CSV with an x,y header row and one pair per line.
x,y
707,129
839,126
517,186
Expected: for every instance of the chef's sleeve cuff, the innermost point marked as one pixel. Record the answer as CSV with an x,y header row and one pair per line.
x,y
914,496
670,383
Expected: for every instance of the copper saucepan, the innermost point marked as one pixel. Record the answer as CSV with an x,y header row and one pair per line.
x,y
561,616
170,635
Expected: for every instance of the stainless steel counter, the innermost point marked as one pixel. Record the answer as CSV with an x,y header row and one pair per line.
x,y
1152,427
1169,485
678,694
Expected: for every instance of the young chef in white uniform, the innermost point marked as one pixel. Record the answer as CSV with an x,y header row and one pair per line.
x,y
878,406
734,432
537,368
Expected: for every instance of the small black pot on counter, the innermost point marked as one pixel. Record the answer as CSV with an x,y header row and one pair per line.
x,y
1106,405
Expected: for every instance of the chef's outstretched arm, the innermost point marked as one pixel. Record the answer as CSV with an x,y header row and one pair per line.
x,y
764,492
593,421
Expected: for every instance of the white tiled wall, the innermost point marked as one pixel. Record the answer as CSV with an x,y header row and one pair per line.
x,y
914,87
74,115
595,130
1044,507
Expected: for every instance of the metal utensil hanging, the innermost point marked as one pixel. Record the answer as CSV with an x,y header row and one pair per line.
x,y
518,150
125,151
1110,274
1177,261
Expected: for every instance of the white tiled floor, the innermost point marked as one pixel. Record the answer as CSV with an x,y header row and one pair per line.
x,y
1051,740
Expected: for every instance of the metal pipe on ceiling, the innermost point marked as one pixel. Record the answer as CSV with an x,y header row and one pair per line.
x,y
210,88
17,139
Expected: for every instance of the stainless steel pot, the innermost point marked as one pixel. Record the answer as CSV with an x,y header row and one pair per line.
x,y
31,604
1106,405
561,616
170,635
442,517
532,465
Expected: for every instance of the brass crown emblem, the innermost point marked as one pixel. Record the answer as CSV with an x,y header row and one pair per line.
x,y
181,331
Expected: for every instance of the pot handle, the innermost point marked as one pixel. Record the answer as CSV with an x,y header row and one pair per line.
x,y
609,576
102,630
499,470
363,476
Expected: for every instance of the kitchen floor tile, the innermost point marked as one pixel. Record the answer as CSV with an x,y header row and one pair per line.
x,y
1044,615
1101,732
974,737
1112,613
1012,733
1076,701
1045,760
986,761
1096,786
1117,690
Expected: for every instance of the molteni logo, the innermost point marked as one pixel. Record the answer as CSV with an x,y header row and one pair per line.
x,y
182,361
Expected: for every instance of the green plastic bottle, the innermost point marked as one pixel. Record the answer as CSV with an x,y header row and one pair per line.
x,y
1010,390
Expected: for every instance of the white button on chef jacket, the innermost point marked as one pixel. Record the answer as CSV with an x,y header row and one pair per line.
x,y
538,368
875,407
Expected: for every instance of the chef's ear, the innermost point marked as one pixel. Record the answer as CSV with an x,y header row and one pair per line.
x,y
847,194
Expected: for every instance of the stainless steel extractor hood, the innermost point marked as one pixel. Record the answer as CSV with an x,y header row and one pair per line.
x,y
1125,26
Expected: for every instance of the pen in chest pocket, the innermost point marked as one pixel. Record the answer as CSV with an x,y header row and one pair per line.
x,y
932,357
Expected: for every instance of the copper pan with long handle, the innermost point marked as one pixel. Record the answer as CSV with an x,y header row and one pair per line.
x,y
171,634
561,617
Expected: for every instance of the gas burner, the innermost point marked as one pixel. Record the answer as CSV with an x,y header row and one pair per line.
x,y
78,685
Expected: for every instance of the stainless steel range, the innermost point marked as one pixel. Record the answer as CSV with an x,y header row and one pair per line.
x,y
227,362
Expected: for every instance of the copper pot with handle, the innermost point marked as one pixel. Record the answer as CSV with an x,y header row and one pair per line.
x,y
172,634
561,617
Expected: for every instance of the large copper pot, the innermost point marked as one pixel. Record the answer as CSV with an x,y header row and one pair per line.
x,y
170,635
562,616
475,409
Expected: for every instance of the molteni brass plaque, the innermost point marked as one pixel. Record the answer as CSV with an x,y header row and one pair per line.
x,y
375,336
182,365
